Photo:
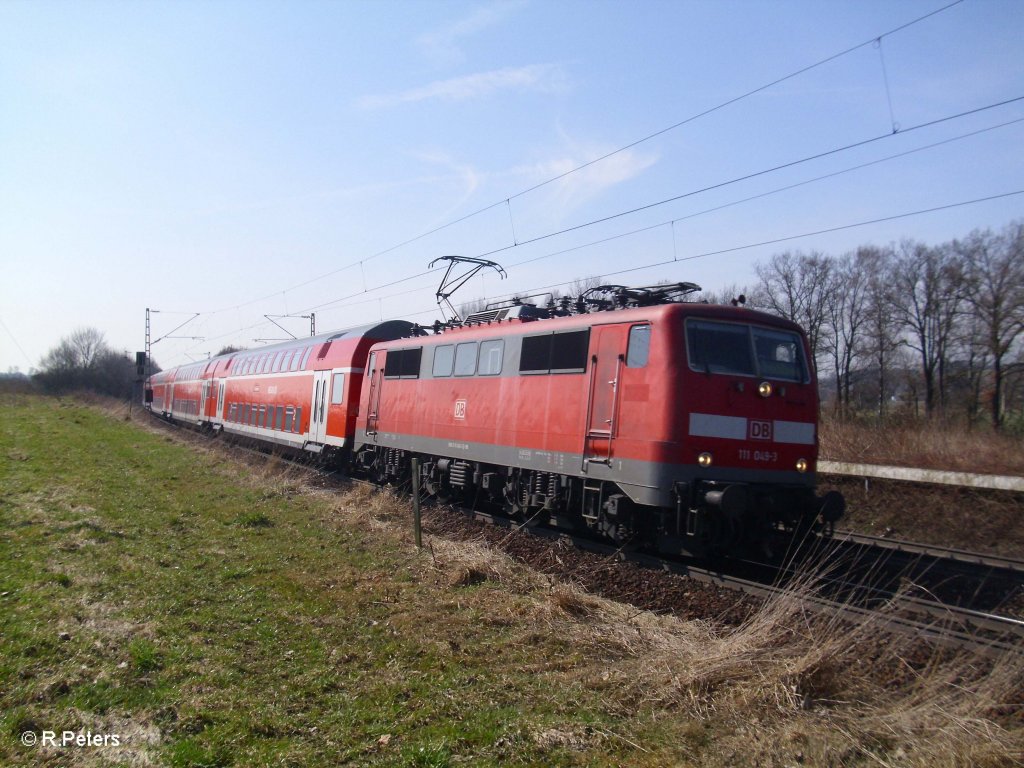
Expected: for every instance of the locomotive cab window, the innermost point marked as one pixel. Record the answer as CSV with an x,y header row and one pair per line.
x,y
639,348
745,350
719,347
779,354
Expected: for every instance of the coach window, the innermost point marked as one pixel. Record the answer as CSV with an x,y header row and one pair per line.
x,y
465,359
490,357
279,421
289,415
298,419
268,364
278,360
444,358
338,389
639,347
286,358
305,358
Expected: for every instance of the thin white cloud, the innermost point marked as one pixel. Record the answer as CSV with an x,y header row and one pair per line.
x,y
580,187
442,44
533,77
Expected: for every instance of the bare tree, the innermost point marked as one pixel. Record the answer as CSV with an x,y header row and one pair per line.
x,y
995,268
88,345
928,293
879,339
797,287
846,307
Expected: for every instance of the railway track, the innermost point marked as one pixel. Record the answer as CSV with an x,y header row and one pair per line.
x,y
948,625
942,623
974,559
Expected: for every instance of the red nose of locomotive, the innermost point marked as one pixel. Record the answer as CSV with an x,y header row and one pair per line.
x,y
747,423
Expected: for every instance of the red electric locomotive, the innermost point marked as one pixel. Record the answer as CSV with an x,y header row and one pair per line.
x,y
687,426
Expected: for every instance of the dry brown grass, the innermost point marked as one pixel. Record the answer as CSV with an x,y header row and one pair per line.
x,y
929,446
806,688
787,686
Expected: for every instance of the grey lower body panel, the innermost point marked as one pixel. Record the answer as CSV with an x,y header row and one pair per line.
x,y
645,482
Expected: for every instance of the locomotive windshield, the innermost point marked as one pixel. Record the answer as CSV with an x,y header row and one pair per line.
x,y
745,350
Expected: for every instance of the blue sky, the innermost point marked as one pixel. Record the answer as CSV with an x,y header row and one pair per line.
x,y
242,158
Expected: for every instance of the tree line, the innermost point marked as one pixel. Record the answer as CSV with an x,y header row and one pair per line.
x,y
84,361
935,329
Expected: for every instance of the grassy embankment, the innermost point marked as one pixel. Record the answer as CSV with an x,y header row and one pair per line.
x,y
212,612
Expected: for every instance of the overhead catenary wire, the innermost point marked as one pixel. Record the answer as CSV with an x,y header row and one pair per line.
x,y
777,240
356,294
734,249
761,195
749,176
660,132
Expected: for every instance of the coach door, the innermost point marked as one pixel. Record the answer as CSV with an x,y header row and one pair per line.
x,y
376,379
606,361
220,401
318,414
204,402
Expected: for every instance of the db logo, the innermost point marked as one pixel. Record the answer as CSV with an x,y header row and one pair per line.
x,y
759,430
460,409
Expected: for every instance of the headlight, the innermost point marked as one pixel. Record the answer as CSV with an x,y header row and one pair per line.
x,y
704,459
764,389
801,465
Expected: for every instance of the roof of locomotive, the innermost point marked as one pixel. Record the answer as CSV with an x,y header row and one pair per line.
x,y
521,327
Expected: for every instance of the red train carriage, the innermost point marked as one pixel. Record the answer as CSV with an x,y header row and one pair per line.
x,y
300,394
687,425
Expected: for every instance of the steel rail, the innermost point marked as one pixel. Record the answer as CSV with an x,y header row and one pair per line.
x,y
930,550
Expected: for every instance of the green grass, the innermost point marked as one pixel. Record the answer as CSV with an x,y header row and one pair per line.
x,y
153,590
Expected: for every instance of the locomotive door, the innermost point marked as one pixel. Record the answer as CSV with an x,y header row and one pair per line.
x,y
609,345
318,414
376,379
